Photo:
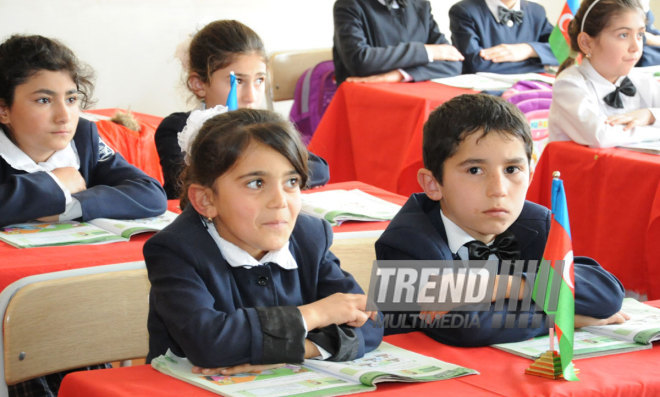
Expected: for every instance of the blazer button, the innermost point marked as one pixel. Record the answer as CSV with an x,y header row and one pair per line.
x,y
262,281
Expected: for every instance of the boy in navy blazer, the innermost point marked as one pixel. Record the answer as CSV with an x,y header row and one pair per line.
x,y
501,36
476,153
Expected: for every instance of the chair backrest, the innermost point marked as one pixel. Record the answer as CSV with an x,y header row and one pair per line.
x,y
70,321
287,66
356,256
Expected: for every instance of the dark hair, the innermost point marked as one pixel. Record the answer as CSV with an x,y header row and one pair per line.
x,y
598,18
218,44
456,119
223,138
23,56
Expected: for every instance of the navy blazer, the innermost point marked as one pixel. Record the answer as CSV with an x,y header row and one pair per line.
x,y
115,188
474,28
217,315
171,157
651,54
369,39
418,233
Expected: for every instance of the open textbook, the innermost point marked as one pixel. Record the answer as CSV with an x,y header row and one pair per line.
x,y
319,378
337,206
635,334
96,231
651,147
483,81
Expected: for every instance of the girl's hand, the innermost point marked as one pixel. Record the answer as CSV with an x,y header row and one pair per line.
x,y
508,53
632,119
71,179
393,76
444,52
338,308
237,369
585,321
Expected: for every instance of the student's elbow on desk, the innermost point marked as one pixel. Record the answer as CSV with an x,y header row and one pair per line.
x,y
598,293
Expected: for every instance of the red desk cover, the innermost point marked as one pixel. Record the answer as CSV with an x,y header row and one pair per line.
x,y
373,132
501,374
613,200
17,263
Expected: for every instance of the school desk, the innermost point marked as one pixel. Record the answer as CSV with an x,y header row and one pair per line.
x,y
373,132
16,263
613,198
501,374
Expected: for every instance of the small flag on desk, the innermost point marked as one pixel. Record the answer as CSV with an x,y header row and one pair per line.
x,y
232,98
559,40
558,255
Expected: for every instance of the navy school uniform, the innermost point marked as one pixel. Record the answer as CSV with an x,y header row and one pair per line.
x,y
217,315
473,28
370,39
418,233
171,157
651,54
115,188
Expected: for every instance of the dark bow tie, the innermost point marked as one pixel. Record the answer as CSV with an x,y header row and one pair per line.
x,y
504,247
614,98
505,15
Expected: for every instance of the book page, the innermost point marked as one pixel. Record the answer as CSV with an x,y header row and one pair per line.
x,y
585,344
287,380
337,206
392,363
491,81
651,147
44,234
128,227
643,326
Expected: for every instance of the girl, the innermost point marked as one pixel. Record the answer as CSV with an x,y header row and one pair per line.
x,y
218,49
53,166
240,278
604,102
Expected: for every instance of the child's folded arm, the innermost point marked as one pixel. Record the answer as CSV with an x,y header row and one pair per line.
x,y
15,194
598,293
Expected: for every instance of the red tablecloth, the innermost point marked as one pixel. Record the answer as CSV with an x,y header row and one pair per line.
x,y
501,374
613,200
373,132
138,148
17,263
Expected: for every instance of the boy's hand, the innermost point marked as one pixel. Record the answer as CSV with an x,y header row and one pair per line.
x,y
632,119
237,369
430,316
393,76
338,308
71,179
585,321
508,53
444,52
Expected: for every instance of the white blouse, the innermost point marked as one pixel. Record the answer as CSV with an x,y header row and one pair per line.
x,y
578,111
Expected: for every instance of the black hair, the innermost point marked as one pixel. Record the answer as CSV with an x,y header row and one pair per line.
x,y
22,56
223,138
598,18
464,115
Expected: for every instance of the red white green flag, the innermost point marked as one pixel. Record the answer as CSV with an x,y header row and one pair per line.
x,y
559,255
559,40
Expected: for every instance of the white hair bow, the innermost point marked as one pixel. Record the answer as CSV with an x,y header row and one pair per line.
x,y
194,123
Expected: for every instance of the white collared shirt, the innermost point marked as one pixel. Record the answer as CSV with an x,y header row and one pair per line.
x,y
493,4
67,157
457,238
395,5
578,111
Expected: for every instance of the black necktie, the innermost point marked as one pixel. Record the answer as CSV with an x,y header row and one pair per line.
x,y
505,15
504,247
614,98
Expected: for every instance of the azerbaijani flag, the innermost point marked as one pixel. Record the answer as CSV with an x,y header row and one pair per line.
x,y
232,98
559,40
557,249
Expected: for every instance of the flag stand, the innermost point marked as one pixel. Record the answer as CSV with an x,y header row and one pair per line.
x,y
548,365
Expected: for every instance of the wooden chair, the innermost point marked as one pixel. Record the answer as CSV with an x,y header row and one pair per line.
x,y
286,67
356,256
64,320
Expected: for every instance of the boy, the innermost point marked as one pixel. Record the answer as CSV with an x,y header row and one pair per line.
x,y
501,36
477,150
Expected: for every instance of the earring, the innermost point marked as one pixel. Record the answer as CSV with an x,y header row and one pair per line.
x,y
209,219
588,55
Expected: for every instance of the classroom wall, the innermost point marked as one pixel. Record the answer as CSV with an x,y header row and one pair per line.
x,y
131,44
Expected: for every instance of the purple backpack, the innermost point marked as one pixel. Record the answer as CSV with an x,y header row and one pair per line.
x,y
314,91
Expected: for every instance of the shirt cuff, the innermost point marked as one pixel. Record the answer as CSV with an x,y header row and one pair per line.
x,y
429,53
406,76
656,114
324,353
73,210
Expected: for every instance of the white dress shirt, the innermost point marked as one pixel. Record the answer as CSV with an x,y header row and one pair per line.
x,y
457,238
578,111
493,4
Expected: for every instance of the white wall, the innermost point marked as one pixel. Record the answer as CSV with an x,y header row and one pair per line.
x,y
131,43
